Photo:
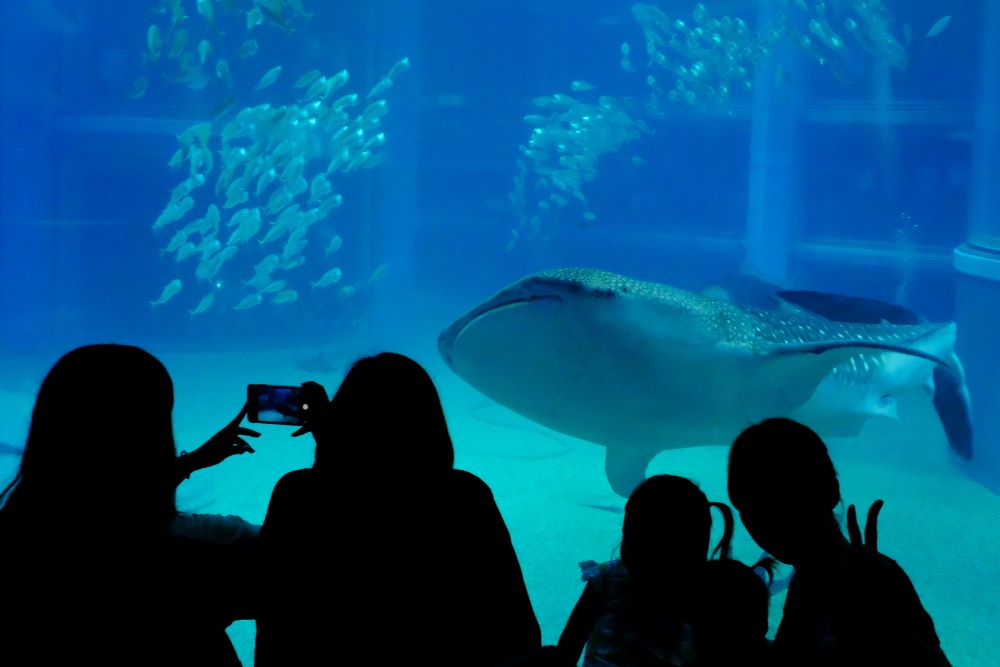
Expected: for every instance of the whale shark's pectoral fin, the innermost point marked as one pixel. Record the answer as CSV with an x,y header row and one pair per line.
x,y
626,468
952,403
797,369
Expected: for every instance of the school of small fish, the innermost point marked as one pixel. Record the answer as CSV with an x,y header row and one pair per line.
x,y
702,61
191,52
265,181
705,60
568,138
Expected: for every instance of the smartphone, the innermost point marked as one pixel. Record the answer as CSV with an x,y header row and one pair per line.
x,y
276,404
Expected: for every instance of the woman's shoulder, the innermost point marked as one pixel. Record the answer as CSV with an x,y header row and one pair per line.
x,y
467,482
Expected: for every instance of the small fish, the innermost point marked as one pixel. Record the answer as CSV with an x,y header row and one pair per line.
x,y
179,43
239,217
335,82
335,243
169,291
379,273
259,281
182,208
248,48
380,87
138,88
637,161
185,251
222,71
236,194
330,277
245,232
293,247
212,218
207,9
287,296
178,158
939,26
292,263
536,119
179,239
274,287
347,291
348,100
203,305
208,247
329,204
399,68
626,63
176,10
307,78
254,18
317,89
580,86
199,131
273,10
264,180
319,188
269,78
298,186
249,301
154,42
204,48
266,265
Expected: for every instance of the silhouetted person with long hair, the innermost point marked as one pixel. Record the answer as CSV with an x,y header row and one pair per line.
x,y
729,616
93,570
635,611
847,604
382,548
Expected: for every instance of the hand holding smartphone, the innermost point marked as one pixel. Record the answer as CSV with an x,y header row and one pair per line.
x,y
276,404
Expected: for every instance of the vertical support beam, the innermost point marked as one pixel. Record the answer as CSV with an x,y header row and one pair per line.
x,y
26,183
396,214
772,151
978,264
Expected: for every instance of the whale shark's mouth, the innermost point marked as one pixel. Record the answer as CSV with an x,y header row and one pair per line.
x,y
447,338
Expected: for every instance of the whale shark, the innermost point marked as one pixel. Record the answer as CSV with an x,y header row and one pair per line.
x,y
641,367
947,386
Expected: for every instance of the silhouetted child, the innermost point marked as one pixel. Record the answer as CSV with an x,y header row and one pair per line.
x,y
847,604
729,616
634,611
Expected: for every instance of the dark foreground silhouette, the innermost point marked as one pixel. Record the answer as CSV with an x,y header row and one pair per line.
x,y
847,604
636,611
382,548
93,571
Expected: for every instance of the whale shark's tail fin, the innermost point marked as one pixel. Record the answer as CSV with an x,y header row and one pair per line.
x,y
952,403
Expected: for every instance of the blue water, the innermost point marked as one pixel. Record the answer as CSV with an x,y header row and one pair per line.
x,y
857,175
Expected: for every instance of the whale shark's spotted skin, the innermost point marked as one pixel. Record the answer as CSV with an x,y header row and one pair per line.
x,y
641,367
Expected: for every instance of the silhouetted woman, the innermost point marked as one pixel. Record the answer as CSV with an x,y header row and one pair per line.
x,y
847,604
382,548
635,611
93,572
